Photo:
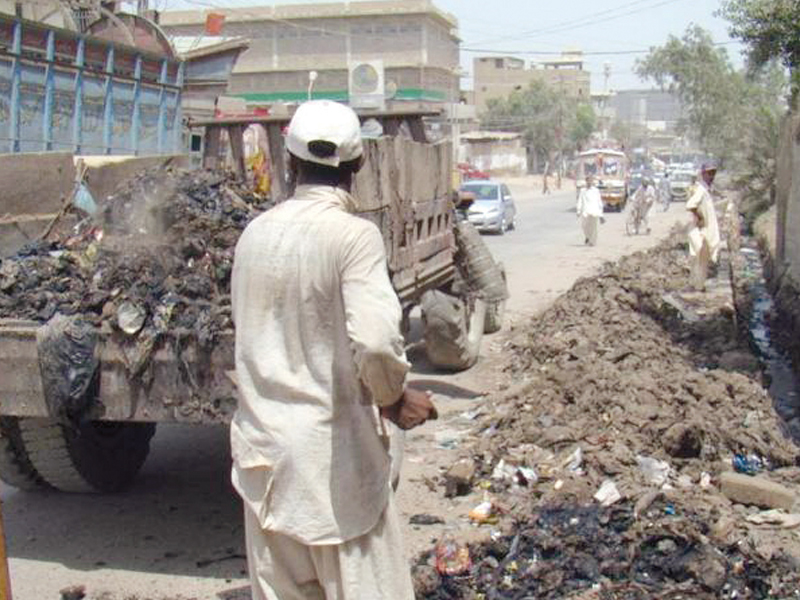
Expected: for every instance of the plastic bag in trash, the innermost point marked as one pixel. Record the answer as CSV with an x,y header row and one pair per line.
x,y
68,364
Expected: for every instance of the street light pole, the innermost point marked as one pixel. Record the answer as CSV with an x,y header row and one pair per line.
x,y
312,77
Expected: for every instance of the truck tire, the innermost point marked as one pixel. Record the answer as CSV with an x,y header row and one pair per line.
x,y
495,311
453,329
482,274
95,456
15,465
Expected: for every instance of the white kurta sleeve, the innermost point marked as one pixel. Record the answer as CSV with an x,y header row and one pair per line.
x,y
373,316
694,200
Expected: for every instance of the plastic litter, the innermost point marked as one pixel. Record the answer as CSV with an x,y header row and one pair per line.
x,y
574,461
483,513
656,472
130,317
608,493
452,558
748,464
526,476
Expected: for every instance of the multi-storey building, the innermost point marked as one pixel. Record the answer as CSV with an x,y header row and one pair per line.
x,y
497,77
416,43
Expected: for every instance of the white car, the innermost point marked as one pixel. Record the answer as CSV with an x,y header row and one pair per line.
x,y
493,209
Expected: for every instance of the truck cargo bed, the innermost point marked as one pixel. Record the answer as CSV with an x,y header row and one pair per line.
x,y
182,384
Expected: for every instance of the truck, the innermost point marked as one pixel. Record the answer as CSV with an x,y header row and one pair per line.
x,y
610,169
437,262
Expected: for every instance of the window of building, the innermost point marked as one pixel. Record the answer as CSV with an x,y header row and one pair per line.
x,y
498,63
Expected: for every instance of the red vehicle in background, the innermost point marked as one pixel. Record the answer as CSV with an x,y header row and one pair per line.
x,y
468,172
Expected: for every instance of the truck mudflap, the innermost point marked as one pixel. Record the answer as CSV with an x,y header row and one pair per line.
x,y
181,384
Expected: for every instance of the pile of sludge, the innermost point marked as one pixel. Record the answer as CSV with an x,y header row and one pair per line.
x,y
156,257
602,463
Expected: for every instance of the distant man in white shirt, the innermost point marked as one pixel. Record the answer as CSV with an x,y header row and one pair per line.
x,y
320,364
590,210
704,240
665,191
641,203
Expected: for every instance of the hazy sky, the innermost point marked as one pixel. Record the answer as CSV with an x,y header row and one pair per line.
x,y
615,27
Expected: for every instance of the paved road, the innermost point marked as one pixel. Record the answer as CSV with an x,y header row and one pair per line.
x,y
546,254
177,533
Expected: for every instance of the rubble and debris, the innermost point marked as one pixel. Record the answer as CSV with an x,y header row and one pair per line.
x,y
73,592
756,491
155,259
458,478
623,394
425,519
775,517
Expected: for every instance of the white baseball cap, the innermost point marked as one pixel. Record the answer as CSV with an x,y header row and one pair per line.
x,y
324,132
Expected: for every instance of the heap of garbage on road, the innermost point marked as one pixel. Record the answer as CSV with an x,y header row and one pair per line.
x,y
155,257
637,455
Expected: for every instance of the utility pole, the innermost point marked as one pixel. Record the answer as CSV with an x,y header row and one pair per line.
x,y
606,96
560,131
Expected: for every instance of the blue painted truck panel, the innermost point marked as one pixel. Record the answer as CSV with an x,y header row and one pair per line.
x,y
62,91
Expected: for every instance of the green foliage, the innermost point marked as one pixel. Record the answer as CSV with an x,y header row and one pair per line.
x,y
712,92
549,121
771,30
757,166
732,115
581,126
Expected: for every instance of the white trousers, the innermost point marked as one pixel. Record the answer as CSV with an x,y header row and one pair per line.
x,y
700,267
370,567
589,224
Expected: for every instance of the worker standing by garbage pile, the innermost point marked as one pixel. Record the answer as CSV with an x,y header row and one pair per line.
x,y
704,237
320,363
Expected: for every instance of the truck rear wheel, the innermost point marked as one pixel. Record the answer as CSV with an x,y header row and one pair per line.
x,y
482,274
453,329
95,456
15,465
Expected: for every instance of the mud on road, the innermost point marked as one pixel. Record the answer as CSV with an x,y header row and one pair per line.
x,y
601,472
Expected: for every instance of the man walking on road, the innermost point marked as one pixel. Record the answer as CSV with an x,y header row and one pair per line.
x,y
320,365
641,203
704,237
590,210
665,191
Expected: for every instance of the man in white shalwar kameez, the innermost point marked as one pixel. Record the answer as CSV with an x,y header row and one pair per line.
x,y
320,365
590,210
704,240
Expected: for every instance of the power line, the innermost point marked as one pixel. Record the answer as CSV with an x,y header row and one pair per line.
x,y
584,21
583,53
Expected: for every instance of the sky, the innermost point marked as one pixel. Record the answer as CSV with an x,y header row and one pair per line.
x,y
608,31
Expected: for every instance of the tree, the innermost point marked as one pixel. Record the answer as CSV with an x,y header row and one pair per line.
x,y
582,126
549,121
771,30
733,115
711,91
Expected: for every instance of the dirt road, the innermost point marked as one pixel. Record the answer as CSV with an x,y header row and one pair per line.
x,y
543,258
177,533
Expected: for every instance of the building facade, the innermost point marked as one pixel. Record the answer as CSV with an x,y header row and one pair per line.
x,y
415,43
497,77
656,109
